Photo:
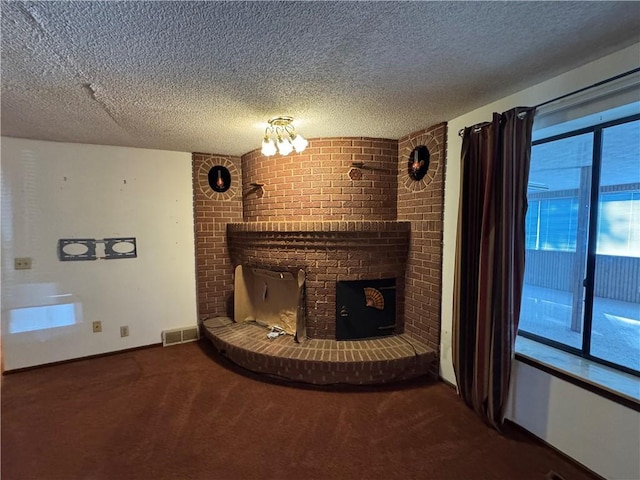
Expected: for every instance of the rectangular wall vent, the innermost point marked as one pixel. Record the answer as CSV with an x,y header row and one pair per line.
x,y
180,335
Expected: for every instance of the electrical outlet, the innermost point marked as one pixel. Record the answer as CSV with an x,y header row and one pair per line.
x,y
97,327
22,263
124,331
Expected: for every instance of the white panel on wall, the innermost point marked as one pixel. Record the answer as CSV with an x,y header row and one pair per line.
x,y
556,411
52,191
602,435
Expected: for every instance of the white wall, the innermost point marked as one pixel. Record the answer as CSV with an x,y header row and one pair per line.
x,y
596,432
60,190
602,435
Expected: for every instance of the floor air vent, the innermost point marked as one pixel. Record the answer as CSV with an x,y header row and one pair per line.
x,y
179,335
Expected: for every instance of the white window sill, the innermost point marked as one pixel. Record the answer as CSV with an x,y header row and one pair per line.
x,y
617,383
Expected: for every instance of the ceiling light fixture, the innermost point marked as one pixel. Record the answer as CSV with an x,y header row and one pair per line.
x,y
281,134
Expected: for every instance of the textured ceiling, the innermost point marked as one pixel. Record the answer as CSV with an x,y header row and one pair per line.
x,y
205,76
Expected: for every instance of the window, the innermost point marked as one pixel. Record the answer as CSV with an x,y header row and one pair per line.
x,y
582,273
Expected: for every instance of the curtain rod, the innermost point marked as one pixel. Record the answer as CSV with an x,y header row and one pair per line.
x,y
580,90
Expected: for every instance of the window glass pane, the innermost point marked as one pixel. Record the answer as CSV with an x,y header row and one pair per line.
x,y
615,333
619,222
531,229
558,224
557,227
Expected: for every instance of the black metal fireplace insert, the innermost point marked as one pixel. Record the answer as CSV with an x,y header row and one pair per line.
x,y
365,308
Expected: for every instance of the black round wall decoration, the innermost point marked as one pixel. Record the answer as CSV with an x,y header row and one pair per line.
x,y
219,178
419,162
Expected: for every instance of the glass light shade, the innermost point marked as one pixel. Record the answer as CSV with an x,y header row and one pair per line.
x,y
284,146
268,147
299,143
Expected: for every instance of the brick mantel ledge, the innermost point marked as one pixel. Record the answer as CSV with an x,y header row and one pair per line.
x,y
321,227
337,236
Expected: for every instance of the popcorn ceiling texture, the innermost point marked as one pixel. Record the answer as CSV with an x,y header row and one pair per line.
x,y
206,76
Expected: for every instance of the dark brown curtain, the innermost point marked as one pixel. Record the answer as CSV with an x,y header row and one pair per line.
x,y
490,252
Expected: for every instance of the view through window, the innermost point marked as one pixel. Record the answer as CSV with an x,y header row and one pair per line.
x,y
582,275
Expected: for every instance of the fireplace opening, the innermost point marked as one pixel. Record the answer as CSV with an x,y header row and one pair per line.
x,y
365,308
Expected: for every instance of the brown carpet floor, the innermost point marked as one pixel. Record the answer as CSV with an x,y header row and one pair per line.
x,y
182,413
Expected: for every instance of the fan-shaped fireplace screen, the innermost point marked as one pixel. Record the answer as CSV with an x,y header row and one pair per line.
x,y
365,308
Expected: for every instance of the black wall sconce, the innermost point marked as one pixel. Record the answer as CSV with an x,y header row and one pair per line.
x,y
219,178
419,162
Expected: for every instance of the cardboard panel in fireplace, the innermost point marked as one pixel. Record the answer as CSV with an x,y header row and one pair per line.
x,y
365,308
270,298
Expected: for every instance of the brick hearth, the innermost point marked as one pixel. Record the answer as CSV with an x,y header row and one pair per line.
x,y
321,362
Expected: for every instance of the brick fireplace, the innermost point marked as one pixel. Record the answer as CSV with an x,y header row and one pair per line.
x,y
327,252
344,209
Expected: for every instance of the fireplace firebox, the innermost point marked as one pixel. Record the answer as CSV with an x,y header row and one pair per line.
x,y
365,308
